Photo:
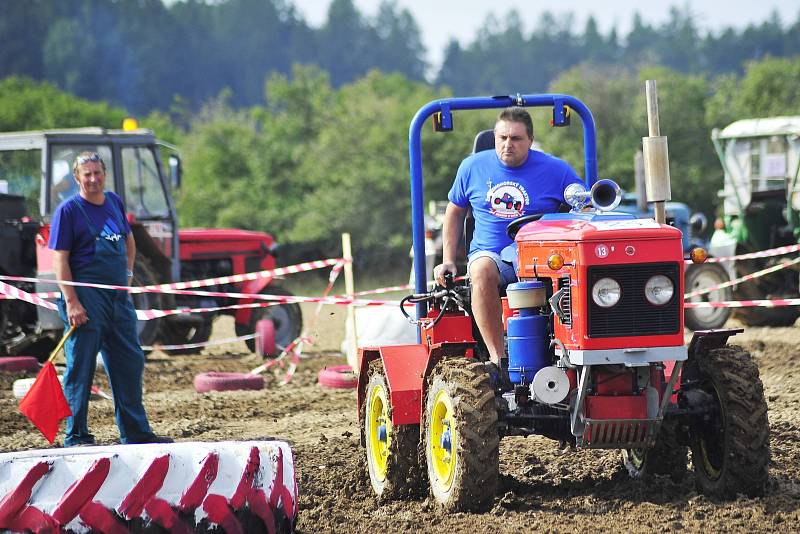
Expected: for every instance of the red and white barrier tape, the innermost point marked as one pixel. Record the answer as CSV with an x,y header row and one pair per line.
x,y
778,251
751,276
775,303
209,343
292,269
16,293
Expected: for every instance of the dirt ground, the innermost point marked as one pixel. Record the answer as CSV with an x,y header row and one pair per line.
x,y
541,488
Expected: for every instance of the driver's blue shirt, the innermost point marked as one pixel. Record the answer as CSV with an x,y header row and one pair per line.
x,y
499,194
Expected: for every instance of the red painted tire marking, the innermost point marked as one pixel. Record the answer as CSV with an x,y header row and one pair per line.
x,y
161,513
257,500
288,506
144,490
197,490
219,512
101,519
280,492
31,519
17,498
277,484
239,496
81,491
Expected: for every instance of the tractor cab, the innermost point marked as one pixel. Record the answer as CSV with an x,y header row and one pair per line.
x,y
760,160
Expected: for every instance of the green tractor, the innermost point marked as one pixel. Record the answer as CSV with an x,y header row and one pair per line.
x,y
761,210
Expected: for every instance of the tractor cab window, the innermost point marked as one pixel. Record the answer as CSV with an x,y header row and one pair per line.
x,y
21,176
62,182
144,192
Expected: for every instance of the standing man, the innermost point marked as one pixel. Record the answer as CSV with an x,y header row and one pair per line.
x,y
499,186
92,242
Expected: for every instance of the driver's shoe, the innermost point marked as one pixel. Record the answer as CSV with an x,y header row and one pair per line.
x,y
498,376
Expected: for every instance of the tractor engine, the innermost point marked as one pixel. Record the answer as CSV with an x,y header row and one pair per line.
x,y
597,312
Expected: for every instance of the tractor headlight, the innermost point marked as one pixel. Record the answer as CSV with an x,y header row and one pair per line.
x,y
606,292
659,290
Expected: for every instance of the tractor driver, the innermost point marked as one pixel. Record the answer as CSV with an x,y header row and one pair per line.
x,y
92,242
499,186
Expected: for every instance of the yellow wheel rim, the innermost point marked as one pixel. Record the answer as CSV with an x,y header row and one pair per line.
x,y
379,430
443,440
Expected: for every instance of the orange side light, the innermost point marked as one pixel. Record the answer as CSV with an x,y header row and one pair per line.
x,y
555,261
698,255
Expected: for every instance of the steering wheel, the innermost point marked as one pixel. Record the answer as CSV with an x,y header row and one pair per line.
x,y
514,226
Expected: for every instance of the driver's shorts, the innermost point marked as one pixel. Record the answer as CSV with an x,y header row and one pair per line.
x,y
507,274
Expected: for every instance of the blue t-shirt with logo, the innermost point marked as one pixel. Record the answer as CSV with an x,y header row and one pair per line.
x,y
70,231
499,194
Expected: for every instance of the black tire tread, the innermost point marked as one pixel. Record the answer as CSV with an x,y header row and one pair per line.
x,y
667,457
404,476
747,453
479,442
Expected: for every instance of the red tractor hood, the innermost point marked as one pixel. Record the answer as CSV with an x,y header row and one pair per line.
x,y
211,235
590,227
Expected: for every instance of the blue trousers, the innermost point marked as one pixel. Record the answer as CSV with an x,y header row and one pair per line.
x,y
111,330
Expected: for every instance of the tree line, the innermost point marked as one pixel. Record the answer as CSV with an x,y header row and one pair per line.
x,y
313,160
144,55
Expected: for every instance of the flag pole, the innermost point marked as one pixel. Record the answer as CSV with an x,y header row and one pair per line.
x,y
61,344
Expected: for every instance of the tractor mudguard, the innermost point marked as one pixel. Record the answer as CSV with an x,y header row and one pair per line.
x,y
406,367
703,341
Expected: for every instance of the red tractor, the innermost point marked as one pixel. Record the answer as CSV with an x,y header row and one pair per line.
x,y
597,357
36,175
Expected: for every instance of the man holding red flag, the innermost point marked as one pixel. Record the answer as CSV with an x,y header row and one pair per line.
x,y
92,242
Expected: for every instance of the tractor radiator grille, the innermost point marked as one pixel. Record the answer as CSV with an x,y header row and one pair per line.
x,y
633,315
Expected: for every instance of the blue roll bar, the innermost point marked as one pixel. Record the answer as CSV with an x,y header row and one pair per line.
x,y
445,106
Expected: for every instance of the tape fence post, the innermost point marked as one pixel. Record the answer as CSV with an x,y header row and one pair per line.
x,y
350,321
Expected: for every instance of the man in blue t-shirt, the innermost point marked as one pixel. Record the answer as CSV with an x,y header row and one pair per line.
x,y
499,186
92,243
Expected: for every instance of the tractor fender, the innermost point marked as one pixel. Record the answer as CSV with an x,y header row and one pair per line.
x,y
703,341
406,367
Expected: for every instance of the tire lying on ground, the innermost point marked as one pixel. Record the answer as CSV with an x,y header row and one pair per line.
x,y
338,376
221,381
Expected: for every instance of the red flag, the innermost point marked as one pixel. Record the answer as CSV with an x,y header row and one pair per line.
x,y
44,404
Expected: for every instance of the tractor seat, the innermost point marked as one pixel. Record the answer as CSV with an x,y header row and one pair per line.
x,y
483,141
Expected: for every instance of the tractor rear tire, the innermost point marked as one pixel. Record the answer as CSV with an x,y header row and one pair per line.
x,y
462,442
393,463
667,457
149,331
287,319
699,277
730,453
180,334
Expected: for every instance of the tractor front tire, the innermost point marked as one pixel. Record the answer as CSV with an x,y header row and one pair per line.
x,y
731,452
667,457
700,277
461,439
287,319
392,451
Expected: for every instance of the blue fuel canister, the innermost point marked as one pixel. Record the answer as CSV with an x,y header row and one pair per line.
x,y
527,340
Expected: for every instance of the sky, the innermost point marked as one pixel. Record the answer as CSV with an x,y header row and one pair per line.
x,y
442,20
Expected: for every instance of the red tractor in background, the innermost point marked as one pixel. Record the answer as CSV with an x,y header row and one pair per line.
x,y
36,175
597,357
